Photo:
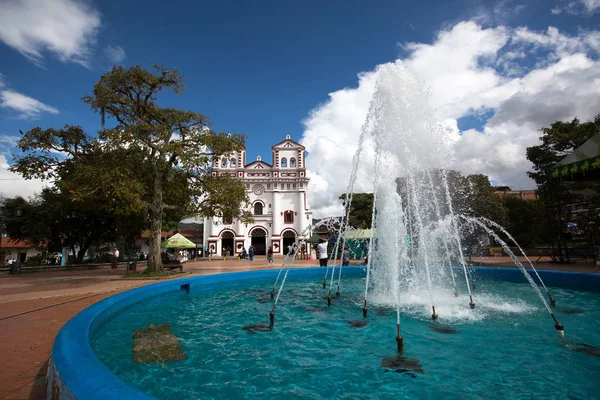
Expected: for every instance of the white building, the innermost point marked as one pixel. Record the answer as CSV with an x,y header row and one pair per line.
x,y
277,193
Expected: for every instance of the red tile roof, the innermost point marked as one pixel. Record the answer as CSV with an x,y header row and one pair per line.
x,y
8,243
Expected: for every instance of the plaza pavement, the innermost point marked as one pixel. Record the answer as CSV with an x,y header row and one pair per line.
x,y
35,305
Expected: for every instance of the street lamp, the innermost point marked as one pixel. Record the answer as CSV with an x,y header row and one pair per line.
x,y
1,233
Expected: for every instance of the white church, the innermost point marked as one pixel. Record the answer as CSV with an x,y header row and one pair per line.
x,y
277,193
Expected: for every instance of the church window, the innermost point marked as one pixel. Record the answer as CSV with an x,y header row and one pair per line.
x,y
217,163
258,209
227,220
224,163
294,186
284,162
292,162
232,163
288,217
288,186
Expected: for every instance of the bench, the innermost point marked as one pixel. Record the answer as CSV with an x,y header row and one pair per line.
x,y
539,252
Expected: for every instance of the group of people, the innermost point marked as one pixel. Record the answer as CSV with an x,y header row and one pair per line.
x,y
323,257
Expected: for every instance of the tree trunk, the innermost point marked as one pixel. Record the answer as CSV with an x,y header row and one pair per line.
x,y
81,253
155,216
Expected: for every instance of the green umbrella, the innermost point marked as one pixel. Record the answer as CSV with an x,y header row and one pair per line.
x,y
179,241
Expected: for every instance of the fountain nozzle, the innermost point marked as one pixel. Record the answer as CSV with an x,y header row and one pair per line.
x,y
365,310
272,318
557,324
329,300
272,294
324,284
434,315
337,294
552,301
400,342
455,292
471,304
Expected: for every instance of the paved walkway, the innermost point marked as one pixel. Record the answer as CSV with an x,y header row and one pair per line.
x,y
34,306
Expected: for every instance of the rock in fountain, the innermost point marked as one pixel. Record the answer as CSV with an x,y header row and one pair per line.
x,y
358,323
402,364
258,328
571,311
156,344
441,328
263,299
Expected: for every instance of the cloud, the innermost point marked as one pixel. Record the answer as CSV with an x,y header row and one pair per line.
x,y
12,184
28,107
65,28
115,54
523,79
577,7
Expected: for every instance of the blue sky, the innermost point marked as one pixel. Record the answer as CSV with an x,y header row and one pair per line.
x,y
259,68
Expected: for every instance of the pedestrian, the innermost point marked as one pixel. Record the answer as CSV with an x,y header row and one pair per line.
x,y
322,253
270,255
115,258
251,253
345,257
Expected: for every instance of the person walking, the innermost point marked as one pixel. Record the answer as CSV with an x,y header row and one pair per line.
x,y
270,255
115,258
345,257
322,253
251,253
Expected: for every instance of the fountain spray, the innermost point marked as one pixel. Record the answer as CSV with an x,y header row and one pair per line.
x,y
498,226
512,255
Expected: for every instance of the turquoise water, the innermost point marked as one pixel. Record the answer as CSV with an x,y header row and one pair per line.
x,y
506,348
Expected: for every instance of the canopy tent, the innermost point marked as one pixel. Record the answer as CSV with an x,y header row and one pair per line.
x,y
581,164
314,238
359,234
178,241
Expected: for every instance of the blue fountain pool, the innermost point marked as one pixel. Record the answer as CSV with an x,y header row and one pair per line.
x,y
508,348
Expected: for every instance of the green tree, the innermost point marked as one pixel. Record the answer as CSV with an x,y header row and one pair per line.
x,y
557,141
153,160
54,219
361,210
526,221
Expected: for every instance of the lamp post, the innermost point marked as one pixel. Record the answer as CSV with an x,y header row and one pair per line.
x,y
1,233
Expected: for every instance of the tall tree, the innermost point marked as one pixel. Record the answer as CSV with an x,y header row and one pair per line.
x,y
153,160
177,145
361,210
557,141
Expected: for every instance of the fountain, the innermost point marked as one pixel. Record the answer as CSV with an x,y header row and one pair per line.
x,y
424,327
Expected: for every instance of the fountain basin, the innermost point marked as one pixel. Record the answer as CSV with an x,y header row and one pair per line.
x,y
77,372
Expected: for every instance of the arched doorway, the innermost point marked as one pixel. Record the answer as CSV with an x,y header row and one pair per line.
x,y
289,238
259,241
227,243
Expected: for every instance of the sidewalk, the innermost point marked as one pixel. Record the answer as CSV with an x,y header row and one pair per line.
x,y
28,338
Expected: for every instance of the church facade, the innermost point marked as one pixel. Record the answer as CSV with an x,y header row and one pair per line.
x,y
277,193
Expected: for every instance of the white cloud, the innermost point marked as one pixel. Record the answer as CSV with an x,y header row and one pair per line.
x,y
65,28
12,184
115,54
27,107
527,80
576,7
